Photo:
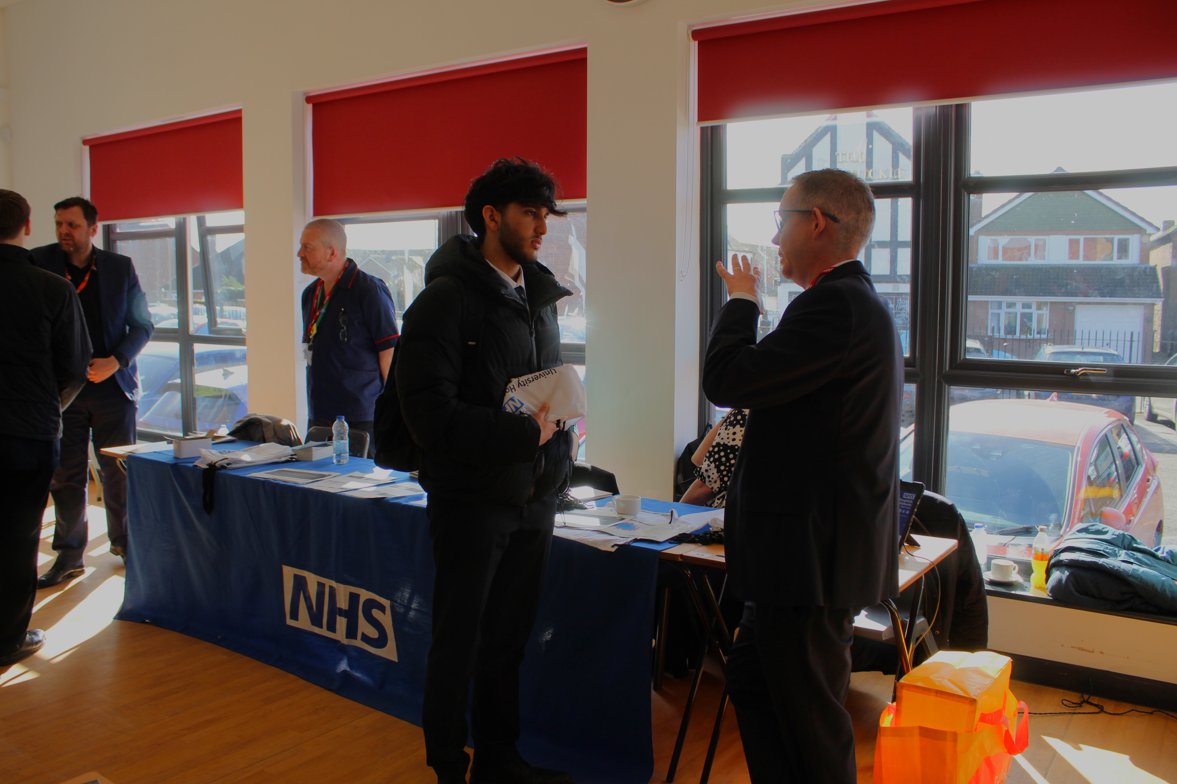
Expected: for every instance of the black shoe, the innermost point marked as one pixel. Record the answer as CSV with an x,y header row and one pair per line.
x,y
59,573
34,639
515,771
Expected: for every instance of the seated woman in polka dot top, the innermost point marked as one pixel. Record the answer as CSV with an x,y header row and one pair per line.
x,y
714,460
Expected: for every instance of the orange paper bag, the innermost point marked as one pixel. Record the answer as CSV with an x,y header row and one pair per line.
x,y
954,722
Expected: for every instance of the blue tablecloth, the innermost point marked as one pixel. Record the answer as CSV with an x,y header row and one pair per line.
x,y
339,591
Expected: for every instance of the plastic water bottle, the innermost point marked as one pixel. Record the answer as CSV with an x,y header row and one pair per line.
x,y
1039,558
981,544
339,441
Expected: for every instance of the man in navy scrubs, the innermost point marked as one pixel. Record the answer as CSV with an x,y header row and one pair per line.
x,y
348,331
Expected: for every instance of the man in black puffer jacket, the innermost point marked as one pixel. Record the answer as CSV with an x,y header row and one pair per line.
x,y
492,476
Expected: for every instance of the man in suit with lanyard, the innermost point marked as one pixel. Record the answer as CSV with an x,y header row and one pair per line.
x,y
119,326
813,500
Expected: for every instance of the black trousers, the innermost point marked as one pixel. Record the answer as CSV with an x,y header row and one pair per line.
x,y
490,570
25,471
788,673
104,413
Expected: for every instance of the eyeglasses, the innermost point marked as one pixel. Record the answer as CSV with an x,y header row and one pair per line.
x,y
780,218
342,325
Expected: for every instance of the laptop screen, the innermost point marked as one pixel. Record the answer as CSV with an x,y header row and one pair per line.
x,y
910,494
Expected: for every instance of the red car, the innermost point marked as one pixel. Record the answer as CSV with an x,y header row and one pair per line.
x,y
1014,465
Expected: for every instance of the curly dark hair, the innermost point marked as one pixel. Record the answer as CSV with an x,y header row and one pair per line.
x,y
509,181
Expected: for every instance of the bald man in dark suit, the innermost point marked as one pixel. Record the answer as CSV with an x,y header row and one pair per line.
x,y
812,506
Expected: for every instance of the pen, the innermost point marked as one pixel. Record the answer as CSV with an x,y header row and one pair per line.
x,y
671,520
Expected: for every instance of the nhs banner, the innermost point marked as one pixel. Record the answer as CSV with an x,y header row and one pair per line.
x,y
348,614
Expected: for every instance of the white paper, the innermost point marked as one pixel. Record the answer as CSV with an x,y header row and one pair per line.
x,y
397,490
293,476
578,520
597,539
561,388
655,526
259,454
356,480
713,517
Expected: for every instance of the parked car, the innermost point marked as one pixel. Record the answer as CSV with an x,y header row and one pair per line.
x,y
1014,465
1085,355
159,365
1162,407
221,399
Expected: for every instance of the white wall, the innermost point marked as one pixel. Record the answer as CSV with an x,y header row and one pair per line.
x,y
73,68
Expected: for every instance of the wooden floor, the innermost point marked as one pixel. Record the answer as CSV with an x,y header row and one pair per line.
x,y
142,705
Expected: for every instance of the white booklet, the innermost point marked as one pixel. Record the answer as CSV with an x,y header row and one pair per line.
x,y
560,387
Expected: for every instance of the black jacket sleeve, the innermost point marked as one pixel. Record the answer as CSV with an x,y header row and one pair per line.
x,y
805,350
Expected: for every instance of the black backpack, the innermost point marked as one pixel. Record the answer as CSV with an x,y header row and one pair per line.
x,y
395,447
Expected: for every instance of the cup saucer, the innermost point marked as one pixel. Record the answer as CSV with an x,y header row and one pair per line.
x,y
991,578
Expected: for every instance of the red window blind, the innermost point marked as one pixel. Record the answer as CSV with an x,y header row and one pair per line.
x,y
180,168
913,51
416,143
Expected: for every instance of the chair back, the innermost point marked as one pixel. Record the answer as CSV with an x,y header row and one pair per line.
x,y
357,440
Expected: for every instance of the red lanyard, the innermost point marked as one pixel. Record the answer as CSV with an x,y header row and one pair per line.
x,y
89,271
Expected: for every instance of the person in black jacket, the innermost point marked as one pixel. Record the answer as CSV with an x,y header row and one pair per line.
x,y
119,326
44,351
812,505
492,476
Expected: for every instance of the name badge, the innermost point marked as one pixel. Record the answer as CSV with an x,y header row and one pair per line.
x,y
306,352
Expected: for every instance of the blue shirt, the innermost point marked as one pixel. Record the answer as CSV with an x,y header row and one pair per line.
x,y
343,374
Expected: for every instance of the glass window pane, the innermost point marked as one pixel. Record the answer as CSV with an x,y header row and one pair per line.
x,y
221,310
220,392
1075,132
907,410
148,224
565,253
1015,463
155,264
231,218
1089,265
394,251
875,145
159,371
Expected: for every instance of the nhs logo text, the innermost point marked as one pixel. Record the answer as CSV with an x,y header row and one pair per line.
x,y
351,615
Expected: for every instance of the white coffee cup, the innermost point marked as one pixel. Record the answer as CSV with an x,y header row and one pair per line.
x,y
627,505
1003,569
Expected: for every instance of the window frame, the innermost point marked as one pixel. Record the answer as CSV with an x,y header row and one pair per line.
x,y
451,222
940,190
182,334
